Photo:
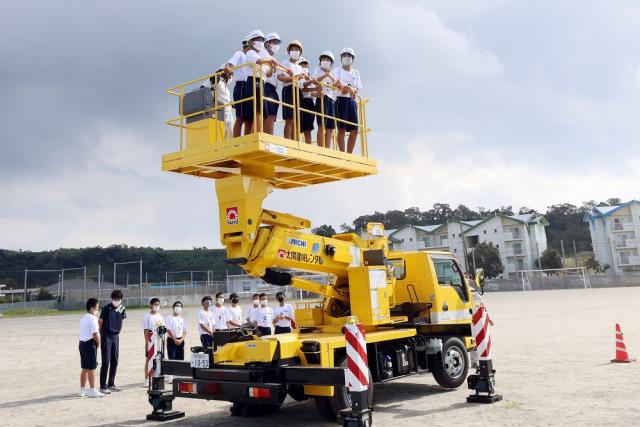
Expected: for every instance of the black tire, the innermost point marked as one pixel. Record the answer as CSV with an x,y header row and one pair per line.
x,y
330,407
450,367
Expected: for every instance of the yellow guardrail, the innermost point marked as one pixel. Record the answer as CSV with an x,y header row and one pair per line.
x,y
258,126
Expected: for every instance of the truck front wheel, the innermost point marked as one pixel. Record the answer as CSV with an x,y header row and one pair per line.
x,y
330,407
450,367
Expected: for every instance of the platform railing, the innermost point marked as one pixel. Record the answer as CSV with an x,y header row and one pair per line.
x,y
257,71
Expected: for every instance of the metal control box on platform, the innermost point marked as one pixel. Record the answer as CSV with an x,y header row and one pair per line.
x,y
369,290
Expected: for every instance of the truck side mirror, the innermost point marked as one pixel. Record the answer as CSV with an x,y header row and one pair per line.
x,y
479,277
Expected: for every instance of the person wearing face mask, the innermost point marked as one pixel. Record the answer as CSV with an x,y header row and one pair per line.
x,y
283,315
177,331
271,47
265,316
89,343
253,310
150,324
324,74
234,313
223,97
206,323
294,49
346,105
220,314
309,89
265,64
110,323
241,74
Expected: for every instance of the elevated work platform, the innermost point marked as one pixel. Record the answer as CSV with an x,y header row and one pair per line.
x,y
206,150
287,163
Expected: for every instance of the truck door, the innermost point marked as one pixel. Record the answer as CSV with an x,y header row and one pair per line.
x,y
453,300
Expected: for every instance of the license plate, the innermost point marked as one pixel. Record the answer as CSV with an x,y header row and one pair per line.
x,y
200,360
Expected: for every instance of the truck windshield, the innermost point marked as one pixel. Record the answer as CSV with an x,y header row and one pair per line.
x,y
449,274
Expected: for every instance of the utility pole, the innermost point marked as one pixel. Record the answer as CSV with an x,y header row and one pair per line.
x,y
84,284
575,252
538,252
99,279
141,296
562,248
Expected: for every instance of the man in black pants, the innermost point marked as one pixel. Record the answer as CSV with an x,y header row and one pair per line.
x,y
110,326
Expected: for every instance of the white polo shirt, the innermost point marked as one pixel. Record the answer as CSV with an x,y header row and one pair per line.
x,y
349,78
253,313
274,78
205,318
252,57
330,80
305,72
294,67
286,310
220,317
234,314
176,325
239,58
264,316
152,321
88,327
223,96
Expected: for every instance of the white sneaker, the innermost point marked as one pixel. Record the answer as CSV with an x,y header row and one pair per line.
x,y
104,391
146,383
94,393
83,392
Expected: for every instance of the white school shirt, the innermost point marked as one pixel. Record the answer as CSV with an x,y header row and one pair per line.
x,y
274,77
88,327
305,72
253,313
234,314
176,325
152,321
264,316
327,91
252,57
205,318
294,67
349,78
286,310
239,58
223,96
220,317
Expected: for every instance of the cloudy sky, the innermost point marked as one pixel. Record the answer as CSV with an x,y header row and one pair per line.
x,y
483,103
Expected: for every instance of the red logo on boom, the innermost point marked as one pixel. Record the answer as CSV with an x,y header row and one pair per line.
x,y
232,215
282,253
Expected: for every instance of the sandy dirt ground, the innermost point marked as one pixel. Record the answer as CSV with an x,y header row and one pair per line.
x,y
551,351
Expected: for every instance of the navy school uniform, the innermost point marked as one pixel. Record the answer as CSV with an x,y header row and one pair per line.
x,y
237,96
329,112
270,108
110,349
347,109
248,90
306,119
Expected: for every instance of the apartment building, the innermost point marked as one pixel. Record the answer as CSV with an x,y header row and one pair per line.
x,y
614,235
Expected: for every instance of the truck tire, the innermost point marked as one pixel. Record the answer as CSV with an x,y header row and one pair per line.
x,y
330,407
450,367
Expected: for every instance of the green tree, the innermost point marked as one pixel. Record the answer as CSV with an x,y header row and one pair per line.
x,y
486,257
324,230
44,295
550,258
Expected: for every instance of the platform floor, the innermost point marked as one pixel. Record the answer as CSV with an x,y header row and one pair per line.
x,y
287,163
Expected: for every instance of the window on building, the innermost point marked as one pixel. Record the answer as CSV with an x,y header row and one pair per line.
x,y
517,248
495,230
455,250
453,236
497,246
484,231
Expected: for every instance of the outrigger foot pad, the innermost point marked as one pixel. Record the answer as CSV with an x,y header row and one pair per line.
x,y
484,399
165,416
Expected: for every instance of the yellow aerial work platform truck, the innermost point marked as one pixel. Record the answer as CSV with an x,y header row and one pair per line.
x,y
415,306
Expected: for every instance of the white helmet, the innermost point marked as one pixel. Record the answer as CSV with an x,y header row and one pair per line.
x,y
349,51
255,34
329,54
302,59
271,36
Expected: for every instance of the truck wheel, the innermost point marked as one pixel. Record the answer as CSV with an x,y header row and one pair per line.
x,y
330,407
450,367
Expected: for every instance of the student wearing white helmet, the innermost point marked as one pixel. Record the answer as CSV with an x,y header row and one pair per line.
x,y
324,74
309,89
253,84
271,47
236,60
223,98
294,49
346,105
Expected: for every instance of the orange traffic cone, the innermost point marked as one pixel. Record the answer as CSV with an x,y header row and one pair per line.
x,y
621,350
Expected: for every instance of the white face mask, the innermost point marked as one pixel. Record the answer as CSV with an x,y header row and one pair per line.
x,y
325,64
177,309
116,302
220,301
256,302
294,54
258,45
347,60
263,303
274,48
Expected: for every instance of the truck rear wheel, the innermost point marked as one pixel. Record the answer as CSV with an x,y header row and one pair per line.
x,y
330,407
450,367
